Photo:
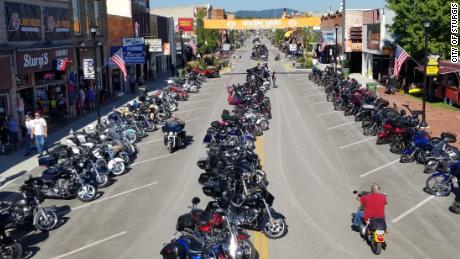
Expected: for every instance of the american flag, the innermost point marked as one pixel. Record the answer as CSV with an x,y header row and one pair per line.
x,y
400,57
117,58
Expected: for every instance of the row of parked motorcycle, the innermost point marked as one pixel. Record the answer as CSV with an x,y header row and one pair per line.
x,y
403,132
235,181
89,159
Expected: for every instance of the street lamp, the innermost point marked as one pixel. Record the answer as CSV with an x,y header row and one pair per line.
x,y
335,50
426,25
93,31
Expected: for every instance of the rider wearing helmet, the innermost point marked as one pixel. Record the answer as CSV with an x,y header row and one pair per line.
x,y
372,206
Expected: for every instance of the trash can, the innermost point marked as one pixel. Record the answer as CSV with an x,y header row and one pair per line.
x,y
372,87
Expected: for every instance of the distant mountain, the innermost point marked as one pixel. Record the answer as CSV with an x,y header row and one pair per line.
x,y
271,13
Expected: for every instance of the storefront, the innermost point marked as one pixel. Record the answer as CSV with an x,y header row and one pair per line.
x,y
42,78
6,83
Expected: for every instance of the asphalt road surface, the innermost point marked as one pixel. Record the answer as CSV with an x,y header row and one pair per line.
x,y
314,159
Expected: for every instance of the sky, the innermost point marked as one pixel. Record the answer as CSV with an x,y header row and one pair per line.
x,y
320,6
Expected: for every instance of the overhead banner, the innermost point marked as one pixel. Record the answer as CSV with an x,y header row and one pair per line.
x,y
23,22
185,24
57,23
252,24
133,50
155,45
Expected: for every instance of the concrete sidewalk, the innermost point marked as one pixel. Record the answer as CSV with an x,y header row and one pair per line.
x,y
16,164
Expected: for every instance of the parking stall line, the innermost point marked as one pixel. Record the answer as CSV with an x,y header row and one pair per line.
x,y
378,168
197,101
150,141
409,211
357,142
340,125
113,196
191,110
152,159
91,245
320,102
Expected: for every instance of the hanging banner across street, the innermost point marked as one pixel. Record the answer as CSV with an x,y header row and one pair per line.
x,y
251,24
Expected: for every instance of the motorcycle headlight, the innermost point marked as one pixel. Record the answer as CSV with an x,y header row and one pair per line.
x,y
171,134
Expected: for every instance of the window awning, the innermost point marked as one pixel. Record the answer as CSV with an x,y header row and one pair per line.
x,y
445,67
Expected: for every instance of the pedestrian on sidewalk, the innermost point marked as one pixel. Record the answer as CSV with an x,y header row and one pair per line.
x,y
91,98
132,83
13,129
28,136
40,133
81,100
274,79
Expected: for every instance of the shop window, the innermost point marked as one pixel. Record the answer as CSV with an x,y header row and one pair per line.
x,y
48,77
452,80
23,80
76,16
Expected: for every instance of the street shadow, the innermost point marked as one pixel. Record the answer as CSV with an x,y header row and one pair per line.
x,y
187,142
12,177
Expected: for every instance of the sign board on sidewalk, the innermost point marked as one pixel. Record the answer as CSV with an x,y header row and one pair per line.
x,y
88,68
155,45
133,50
292,47
226,47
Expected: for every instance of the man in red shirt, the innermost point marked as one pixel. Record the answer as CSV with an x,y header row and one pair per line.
x,y
372,206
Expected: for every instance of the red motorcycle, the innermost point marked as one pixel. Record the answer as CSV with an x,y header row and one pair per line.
x,y
210,73
181,94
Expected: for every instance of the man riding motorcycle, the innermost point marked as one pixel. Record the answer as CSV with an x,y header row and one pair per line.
x,y
172,122
372,207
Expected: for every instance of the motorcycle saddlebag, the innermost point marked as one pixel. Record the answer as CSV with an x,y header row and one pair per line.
x,y
184,221
46,161
173,250
212,191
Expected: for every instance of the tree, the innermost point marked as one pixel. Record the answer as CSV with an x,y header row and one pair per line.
x,y
206,38
408,29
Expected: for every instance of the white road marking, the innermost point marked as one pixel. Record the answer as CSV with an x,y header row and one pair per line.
x,y
191,110
311,95
357,142
340,125
326,113
152,159
113,196
311,88
420,204
378,168
199,94
91,245
150,141
198,101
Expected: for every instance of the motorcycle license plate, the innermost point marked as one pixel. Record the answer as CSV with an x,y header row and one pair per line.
x,y
379,236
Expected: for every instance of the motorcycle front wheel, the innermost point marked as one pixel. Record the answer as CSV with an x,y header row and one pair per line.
x,y
274,228
170,147
437,186
376,247
102,180
131,136
247,249
118,168
396,147
45,221
87,192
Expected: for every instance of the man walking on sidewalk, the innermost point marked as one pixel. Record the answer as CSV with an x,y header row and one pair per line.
x,y
40,132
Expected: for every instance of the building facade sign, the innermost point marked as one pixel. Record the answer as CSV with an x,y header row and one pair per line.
x,y
23,22
33,60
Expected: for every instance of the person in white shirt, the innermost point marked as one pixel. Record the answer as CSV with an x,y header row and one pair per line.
x,y
40,132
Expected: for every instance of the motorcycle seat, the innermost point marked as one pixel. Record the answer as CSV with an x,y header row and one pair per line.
x,y
50,174
368,107
377,224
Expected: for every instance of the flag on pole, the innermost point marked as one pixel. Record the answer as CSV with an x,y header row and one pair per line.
x,y
400,57
117,58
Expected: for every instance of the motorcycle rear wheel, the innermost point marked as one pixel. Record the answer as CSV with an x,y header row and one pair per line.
x,y
102,180
396,147
46,222
14,251
119,168
455,208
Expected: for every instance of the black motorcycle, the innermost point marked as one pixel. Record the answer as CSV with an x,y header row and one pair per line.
x,y
29,210
65,182
174,135
9,248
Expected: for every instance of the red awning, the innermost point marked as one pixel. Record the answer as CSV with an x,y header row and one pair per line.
x,y
445,67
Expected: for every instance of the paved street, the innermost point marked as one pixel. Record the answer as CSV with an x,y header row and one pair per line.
x,y
314,158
